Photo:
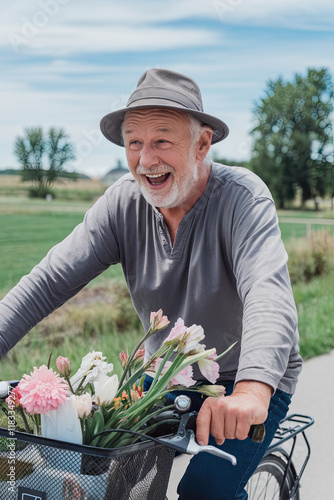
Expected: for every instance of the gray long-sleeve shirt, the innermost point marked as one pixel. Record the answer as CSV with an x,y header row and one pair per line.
x,y
226,271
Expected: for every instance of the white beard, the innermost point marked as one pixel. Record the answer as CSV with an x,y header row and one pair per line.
x,y
179,191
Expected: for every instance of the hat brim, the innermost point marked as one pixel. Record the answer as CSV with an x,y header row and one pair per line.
x,y
111,124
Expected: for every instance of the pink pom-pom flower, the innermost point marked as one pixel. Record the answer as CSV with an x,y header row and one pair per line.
x,y
42,391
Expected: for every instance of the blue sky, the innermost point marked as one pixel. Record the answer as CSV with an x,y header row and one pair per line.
x,y
67,63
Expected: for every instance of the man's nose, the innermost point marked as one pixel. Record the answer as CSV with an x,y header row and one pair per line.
x,y
148,156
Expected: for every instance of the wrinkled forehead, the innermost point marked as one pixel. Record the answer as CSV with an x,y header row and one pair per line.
x,y
155,117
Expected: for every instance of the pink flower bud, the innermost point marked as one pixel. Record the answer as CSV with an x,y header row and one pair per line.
x,y
63,366
123,357
158,321
140,354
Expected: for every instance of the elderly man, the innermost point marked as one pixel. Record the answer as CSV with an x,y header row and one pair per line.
x,y
200,240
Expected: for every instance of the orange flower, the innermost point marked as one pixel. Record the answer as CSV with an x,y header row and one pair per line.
x,y
117,403
121,400
136,392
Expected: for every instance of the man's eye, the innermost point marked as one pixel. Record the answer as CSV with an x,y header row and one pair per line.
x,y
134,144
163,142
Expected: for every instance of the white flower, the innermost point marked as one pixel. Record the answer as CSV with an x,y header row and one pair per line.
x,y
194,335
105,389
83,405
186,339
184,377
209,368
92,367
178,332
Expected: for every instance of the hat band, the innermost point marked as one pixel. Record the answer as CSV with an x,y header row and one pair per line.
x,y
160,93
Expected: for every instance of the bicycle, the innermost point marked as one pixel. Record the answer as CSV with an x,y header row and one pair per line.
x,y
45,468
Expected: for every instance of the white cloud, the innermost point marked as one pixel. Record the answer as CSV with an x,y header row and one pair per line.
x,y
296,14
104,28
71,40
61,26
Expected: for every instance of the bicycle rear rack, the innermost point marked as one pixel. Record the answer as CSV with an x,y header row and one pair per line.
x,y
289,428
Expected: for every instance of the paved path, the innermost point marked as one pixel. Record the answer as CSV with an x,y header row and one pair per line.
x,y
315,397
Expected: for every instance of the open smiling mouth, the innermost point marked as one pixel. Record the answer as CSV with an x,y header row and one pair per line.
x,y
157,179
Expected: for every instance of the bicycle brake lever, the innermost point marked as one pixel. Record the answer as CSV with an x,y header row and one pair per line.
x,y
194,448
186,443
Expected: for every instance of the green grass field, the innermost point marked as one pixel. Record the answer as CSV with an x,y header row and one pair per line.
x,y
29,228
27,238
300,230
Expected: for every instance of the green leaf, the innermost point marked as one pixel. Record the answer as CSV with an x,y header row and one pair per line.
x,y
97,424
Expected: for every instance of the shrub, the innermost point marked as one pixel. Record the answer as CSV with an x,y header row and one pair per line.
x,y
310,257
39,192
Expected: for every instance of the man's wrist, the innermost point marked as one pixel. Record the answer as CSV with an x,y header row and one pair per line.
x,y
254,388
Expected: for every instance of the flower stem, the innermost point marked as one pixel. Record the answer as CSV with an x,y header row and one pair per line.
x,y
82,381
67,378
24,418
163,362
164,348
132,355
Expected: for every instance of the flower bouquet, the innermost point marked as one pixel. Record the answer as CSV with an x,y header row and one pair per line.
x,y
94,407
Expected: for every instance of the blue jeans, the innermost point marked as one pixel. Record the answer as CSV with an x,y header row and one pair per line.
x,y
211,478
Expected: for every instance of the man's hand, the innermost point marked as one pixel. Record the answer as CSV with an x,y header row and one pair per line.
x,y
230,417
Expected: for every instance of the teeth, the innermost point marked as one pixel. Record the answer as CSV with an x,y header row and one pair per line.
x,y
155,176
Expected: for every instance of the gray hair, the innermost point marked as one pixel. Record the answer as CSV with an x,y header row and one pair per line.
x,y
196,128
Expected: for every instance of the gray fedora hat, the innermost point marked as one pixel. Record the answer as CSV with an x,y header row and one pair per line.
x,y
162,88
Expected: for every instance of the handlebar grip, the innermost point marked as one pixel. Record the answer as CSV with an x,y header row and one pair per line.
x,y
257,433
6,386
183,403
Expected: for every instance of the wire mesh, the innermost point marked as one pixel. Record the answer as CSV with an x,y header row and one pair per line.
x,y
31,470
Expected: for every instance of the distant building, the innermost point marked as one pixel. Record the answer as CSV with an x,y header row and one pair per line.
x,y
114,174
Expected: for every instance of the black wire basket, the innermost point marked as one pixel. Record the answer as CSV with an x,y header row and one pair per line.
x,y
36,468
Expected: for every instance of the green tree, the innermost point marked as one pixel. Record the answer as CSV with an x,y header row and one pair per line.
x,y
36,152
293,137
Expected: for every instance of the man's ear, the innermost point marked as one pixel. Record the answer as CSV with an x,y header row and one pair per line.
x,y
204,144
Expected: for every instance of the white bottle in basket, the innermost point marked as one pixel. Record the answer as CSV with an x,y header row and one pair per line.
x,y
62,424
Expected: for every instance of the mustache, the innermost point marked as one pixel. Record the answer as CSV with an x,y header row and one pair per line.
x,y
155,169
